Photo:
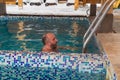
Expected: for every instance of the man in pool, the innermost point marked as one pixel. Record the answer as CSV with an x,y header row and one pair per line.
x,y
50,43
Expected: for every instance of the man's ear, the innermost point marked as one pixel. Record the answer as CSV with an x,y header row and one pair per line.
x,y
47,40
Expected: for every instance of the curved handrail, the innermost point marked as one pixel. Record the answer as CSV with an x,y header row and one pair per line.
x,y
94,21
97,25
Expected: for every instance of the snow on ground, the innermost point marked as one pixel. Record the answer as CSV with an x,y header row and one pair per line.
x,y
116,12
59,9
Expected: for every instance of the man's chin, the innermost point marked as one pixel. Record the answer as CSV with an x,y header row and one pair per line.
x,y
54,46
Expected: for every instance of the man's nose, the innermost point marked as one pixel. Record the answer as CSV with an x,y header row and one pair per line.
x,y
56,40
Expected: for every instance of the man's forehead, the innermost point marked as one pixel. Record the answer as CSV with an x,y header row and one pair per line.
x,y
50,35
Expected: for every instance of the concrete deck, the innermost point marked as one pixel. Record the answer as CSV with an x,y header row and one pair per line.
x,y
116,23
111,45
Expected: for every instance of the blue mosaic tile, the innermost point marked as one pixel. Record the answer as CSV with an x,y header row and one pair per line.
x,y
51,66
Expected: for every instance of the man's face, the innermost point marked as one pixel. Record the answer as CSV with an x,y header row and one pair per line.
x,y
52,39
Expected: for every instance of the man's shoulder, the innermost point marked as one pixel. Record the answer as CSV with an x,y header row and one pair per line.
x,y
45,48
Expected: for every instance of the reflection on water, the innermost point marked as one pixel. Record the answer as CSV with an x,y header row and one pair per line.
x,y
73,32
20,30
21,36
75,29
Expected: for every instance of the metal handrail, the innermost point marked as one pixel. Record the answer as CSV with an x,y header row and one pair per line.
x,y
94,21
97,25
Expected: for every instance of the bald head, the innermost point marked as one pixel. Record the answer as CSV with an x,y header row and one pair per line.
x,y
50,43
49,38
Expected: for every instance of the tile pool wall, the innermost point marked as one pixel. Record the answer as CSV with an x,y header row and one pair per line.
x,y
18,65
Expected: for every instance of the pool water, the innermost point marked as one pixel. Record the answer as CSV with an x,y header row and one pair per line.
x,y
25,33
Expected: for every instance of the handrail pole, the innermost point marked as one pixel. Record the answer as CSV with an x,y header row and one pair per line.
x,y
94,21
96,26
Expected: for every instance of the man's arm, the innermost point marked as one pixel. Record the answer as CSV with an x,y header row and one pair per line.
x,y
68,48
